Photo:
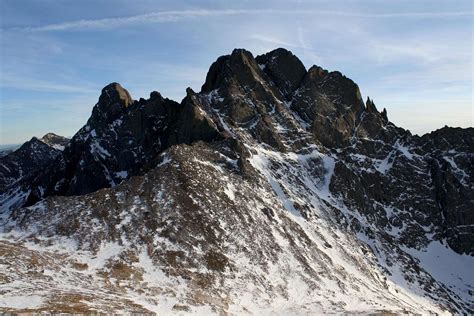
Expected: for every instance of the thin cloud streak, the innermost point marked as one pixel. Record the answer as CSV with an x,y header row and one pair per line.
x,y
173,16
154,17
273,40
42,86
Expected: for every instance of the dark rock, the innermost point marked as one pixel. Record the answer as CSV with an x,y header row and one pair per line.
x,y
370,106
384,115
284,69
112,103
331,104
268,212
193,123
123,138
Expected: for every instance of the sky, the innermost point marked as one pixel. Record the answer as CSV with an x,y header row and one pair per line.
x,y
413,57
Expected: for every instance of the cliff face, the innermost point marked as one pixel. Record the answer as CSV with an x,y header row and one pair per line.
x,y
274,188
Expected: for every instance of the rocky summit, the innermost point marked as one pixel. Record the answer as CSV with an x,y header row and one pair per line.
x,y
275,189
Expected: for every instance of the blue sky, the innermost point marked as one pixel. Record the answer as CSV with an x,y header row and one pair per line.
x,y
412,57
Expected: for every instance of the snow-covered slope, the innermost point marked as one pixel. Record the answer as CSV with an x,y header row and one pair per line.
x,y
274,190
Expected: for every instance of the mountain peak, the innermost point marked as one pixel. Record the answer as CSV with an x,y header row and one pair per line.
x,y
370,106
239,52
49,135
55,141
113,93
239,67
317,72
113,101
284,68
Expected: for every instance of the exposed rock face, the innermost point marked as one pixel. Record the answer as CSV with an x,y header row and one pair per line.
x,y
193,123
284,68
273,182
331,104
451,166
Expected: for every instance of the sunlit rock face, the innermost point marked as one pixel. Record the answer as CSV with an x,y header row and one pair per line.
x,y
273,190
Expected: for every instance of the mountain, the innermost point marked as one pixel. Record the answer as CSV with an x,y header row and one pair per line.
x,y
55,141
30,158
273,190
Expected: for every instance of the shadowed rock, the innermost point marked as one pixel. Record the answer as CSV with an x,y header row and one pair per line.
x,y
284,68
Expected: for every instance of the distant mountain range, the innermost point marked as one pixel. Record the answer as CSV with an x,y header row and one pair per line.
x,y
56,141
274,190
6,149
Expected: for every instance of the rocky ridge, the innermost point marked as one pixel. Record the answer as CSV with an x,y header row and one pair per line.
x,y
273,180
31,157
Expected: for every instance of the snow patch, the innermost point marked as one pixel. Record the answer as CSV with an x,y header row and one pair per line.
x,y
445,265
97,148
122,174
21,302
229,190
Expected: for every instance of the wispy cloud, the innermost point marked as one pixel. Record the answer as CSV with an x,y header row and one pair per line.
x,y
273,40
307,50
173,16
21,83
394,15
154,17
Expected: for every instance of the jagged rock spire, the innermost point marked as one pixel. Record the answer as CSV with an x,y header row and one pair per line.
x,y
370,106
384,115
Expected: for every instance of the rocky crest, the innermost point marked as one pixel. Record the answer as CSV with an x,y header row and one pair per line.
x,y
273,181
55,141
